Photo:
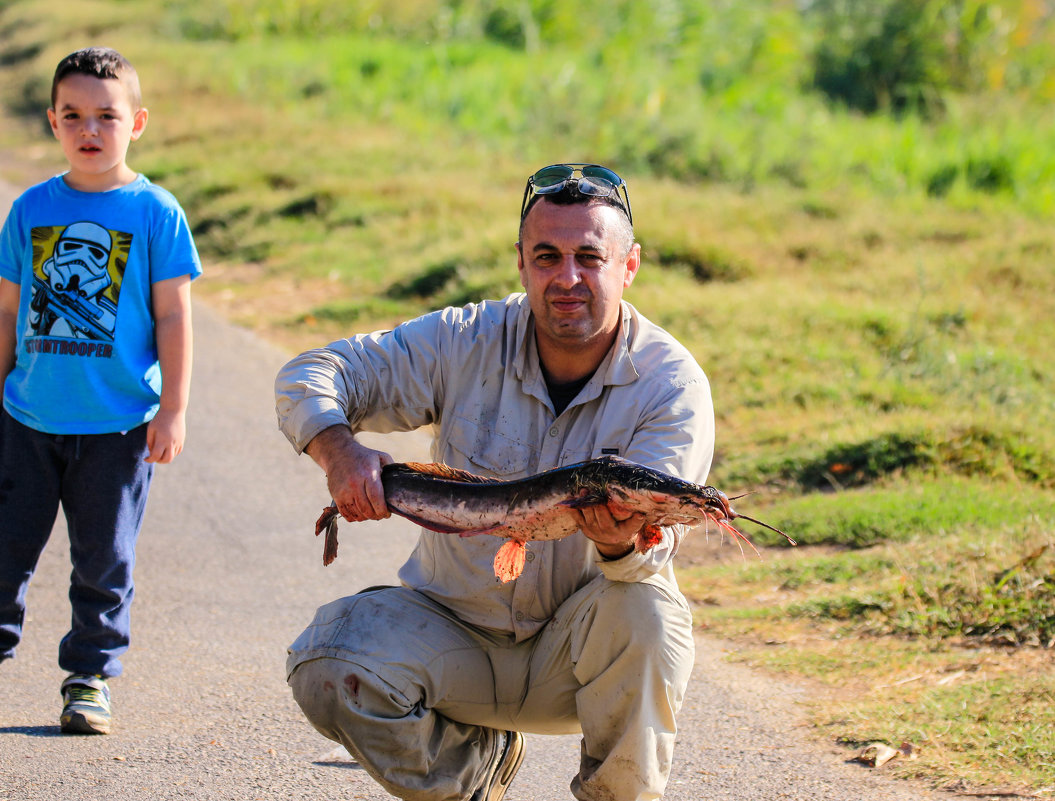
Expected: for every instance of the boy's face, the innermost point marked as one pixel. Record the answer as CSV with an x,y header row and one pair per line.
x,y
94,121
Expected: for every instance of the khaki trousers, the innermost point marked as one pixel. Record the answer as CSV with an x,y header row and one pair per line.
x,y
418,697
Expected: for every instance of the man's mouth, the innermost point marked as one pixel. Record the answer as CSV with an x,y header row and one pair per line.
x,y
567,304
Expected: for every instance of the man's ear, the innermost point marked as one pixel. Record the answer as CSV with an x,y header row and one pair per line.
x,y
520,264
633,264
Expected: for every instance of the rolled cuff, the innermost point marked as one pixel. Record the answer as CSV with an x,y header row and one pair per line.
x,y
637,566
309,418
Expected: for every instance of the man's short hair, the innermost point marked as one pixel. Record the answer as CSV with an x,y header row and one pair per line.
x,y
570,195
99,62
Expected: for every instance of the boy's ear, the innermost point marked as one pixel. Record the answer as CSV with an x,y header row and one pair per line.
x,y
139,123
53,121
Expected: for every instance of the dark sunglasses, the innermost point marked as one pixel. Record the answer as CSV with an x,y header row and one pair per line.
x,y
594,180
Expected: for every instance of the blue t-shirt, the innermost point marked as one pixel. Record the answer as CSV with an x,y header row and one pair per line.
x,y
86,360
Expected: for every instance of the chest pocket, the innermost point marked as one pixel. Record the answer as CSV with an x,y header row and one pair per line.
x,y
481,449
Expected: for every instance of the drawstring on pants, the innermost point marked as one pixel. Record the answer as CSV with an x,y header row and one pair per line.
x,y
61,438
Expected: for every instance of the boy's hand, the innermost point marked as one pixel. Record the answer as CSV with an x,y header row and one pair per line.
x,y
165,435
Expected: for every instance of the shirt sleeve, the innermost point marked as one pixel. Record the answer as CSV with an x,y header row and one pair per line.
x,y
172,249
383,382
12,246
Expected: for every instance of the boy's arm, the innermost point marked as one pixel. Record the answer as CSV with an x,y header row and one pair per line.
x,y
172,325
9,295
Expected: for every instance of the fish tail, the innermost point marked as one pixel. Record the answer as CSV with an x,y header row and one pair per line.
x,y
509,561
328,522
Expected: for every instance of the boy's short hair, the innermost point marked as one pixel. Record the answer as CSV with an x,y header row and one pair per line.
x,y
99,62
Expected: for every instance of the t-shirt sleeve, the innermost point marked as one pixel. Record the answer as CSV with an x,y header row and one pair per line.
x,y
172,249
11,248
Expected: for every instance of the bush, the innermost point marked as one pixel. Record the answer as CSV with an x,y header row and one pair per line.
x,y
882,56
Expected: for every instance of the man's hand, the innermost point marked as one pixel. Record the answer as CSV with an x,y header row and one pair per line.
x,y
353,473
615,537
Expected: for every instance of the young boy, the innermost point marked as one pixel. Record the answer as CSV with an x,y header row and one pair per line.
x,y
95,363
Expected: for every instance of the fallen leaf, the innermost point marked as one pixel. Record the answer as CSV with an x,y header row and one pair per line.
x,y
875,755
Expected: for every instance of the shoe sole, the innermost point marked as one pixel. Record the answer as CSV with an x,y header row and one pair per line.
x,y
78,723
509,767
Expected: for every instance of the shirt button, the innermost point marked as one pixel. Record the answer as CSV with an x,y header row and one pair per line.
x,y
530,556
553,431
519,615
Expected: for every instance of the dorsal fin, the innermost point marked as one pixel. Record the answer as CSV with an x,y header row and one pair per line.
x,y
440,470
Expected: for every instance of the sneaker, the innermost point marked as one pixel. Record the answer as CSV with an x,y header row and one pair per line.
x,y
87,705
506,765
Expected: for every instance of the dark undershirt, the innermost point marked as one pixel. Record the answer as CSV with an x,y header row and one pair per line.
x,y
563,394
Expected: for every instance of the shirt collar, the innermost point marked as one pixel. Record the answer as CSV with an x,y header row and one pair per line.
x,y
617,368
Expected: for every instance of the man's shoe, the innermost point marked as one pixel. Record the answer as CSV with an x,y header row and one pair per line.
x,y
87,705
505,767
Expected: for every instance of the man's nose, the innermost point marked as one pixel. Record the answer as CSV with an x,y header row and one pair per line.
x,y
569,274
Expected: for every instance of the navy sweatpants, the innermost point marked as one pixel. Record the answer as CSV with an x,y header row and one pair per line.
x,y
101,482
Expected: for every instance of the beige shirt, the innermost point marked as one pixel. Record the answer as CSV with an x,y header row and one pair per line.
x,y
473,375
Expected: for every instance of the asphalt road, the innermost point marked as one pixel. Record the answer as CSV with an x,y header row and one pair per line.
x,y
229,573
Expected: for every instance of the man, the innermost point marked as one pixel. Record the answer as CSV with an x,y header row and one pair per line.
x,y
429,684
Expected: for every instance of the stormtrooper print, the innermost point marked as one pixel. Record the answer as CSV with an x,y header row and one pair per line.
x,y
77,281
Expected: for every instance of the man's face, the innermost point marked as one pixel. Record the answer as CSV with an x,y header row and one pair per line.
x,y
574,266
94,121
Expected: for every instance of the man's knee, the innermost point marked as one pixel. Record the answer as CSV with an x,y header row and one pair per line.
x,y
336,694
647,614
314,686
642,624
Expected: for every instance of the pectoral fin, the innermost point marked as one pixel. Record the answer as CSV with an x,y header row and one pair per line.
x,y
509,561
649,537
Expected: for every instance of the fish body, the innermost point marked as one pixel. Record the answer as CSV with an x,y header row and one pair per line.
x,y
541,507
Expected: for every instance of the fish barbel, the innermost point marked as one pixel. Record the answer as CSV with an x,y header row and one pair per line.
x,y
539,507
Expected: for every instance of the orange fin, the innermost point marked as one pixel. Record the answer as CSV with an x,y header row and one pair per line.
x,y
509,561
440,470
649,537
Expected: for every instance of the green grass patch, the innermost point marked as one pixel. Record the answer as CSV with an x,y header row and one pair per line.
x,y
1005,723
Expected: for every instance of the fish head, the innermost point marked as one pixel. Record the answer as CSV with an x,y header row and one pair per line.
x,y
716,502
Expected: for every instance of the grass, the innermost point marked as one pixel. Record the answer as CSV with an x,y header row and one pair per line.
x,y
871,295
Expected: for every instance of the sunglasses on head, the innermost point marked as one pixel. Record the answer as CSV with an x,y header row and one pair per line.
x,y
594,180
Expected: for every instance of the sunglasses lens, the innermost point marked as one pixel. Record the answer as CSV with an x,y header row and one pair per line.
x,y
552,176
598,187
594,180
601,174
